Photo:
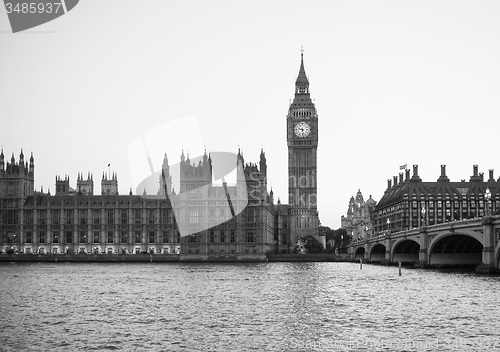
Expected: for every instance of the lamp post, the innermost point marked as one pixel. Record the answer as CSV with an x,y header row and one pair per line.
x,y
487,195
388,225
423,216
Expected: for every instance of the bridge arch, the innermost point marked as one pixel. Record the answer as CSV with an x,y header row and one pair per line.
x,y
359,253
377,253
464,248
497,255
405,250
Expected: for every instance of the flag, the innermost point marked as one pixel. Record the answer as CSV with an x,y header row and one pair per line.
x,y
403,167
109,164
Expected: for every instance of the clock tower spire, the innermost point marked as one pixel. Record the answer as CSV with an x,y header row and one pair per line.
x,y
302,140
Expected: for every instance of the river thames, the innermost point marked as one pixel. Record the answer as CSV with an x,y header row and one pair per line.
x,y
245,307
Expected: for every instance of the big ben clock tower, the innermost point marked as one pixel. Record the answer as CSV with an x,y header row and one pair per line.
x,y
302,139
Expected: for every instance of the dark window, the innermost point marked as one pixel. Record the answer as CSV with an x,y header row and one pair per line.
x,y
69,237
233,236
96,237
166,237
250,236
28,237
111,216
41,237
96,216
151,237
55,237
222,236
82,237
69,216
124,216
137,237
111,237
55,217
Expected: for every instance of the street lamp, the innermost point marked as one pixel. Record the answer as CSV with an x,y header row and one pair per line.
x,y
423,215
388,224
487,195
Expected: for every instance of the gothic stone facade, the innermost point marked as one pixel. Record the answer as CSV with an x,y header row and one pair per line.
x,y
202,219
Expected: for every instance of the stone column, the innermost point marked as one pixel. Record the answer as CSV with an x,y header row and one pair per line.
x,y
388,248
488,264
423,257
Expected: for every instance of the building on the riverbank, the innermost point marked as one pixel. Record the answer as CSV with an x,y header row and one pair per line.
x,y
77,221
357,222
408,202
203,219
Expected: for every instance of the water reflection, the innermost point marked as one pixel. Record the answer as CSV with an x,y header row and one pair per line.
x,y
244,307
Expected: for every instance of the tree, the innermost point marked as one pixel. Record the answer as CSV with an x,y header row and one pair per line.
x,y
341,238
309,244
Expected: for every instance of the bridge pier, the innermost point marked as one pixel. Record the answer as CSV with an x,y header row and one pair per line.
x,y
388,249
488,257
423,256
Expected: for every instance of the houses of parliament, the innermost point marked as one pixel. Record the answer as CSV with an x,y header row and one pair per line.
x,y
201,220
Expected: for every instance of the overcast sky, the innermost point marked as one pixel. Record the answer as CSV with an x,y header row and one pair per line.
x,y
394,82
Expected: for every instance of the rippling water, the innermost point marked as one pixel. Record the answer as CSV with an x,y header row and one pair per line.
x,y
245,307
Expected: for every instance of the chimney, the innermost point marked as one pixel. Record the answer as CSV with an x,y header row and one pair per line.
x,y
407,174
415,176
389,184
475,176
443,176
395,178
481,176
491,178
400,177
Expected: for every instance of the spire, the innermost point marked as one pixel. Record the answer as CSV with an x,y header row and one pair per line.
x,y
302,105
302,78
183,158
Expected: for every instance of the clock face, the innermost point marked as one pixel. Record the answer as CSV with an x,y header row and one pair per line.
x,y
302,129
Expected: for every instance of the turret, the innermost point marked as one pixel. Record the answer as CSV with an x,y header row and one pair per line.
x,y
2,161
109,187
263,163
32,164
165,178
62,185
85,186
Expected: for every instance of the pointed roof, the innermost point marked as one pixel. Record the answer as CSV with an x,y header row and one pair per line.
x,y
302,105
302,78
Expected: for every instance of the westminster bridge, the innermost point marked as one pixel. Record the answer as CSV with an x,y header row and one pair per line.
x,y
465,242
